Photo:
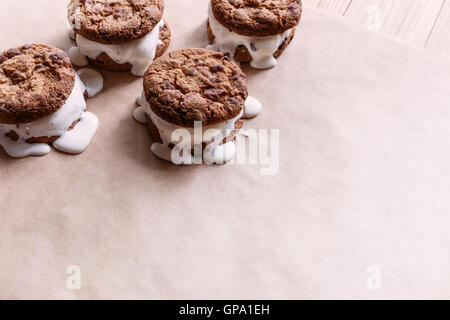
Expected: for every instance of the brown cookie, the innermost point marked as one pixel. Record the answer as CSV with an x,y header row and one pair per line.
x,y
105,62
195,85
114,22
47,140
242,55
257,18
35,81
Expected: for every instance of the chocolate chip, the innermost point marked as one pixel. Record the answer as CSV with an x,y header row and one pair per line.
x,y
38,66
293,8
252,45
2,59
240,85
234,101
12,53
218,55
117,15
191,72
56,57
12,135
226,57
26,47
168,85
16,76
214,93
216,68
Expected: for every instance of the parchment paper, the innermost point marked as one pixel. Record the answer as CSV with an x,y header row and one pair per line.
x,y
360,207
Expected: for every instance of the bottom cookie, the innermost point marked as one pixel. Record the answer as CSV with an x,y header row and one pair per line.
x,y
243,55
47,140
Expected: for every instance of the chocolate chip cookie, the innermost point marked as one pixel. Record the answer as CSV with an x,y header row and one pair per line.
x,y
195,85
35,81
119,35
257,18
114,22
254,31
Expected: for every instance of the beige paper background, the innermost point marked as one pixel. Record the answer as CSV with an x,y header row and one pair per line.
x,y
364,180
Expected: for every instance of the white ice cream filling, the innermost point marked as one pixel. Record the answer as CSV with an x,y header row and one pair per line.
x,y
139,53
166,129
261,49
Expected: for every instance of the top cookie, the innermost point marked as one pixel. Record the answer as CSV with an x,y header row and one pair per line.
x,y
195,85
257,18
35,81
114,22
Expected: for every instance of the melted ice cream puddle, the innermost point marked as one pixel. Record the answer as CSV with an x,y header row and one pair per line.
x,y
139,53
162,151
213,154
140,115
77,57
261,49
56,124
21,149
93,81
252,108
77,140
220,154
